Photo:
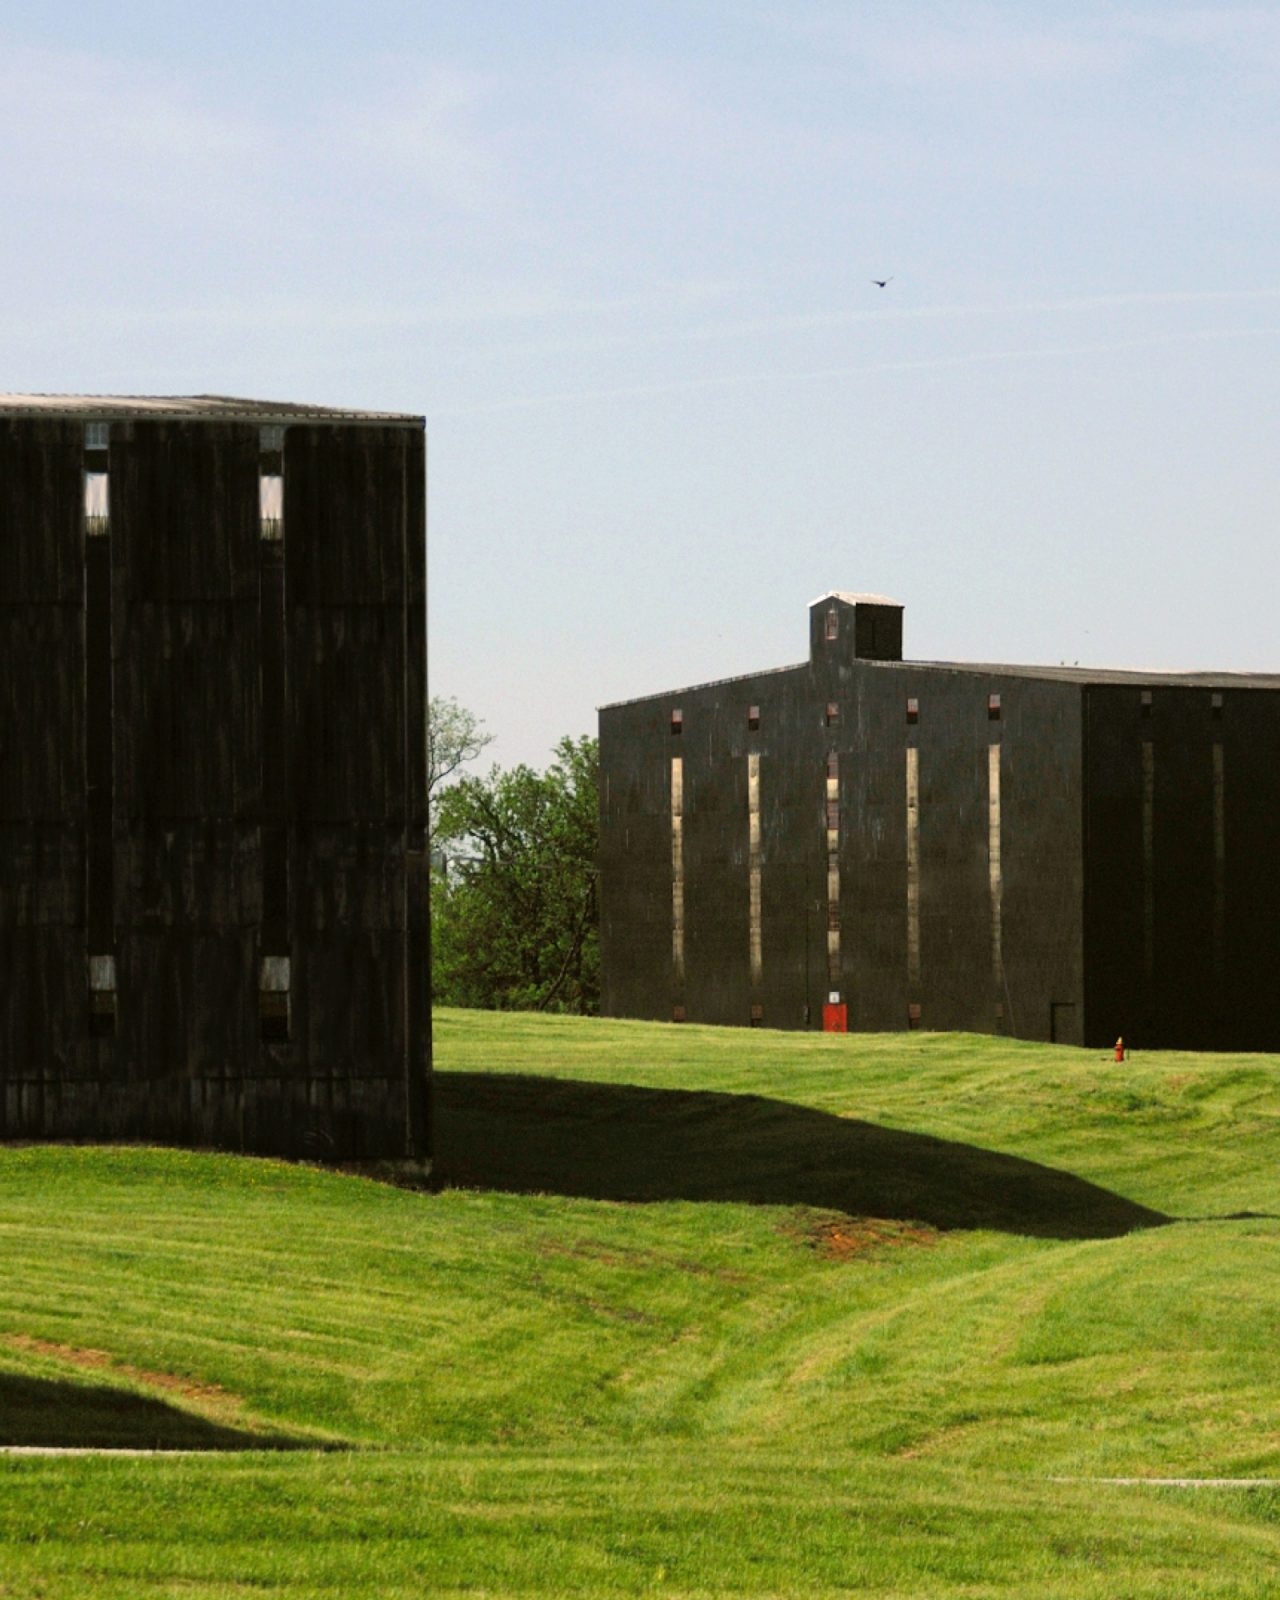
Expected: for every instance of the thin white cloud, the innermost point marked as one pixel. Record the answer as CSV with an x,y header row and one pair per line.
x,y
251,315
967,45
661,330
650,114
984,44
431,129
1243,31
924,364
97,130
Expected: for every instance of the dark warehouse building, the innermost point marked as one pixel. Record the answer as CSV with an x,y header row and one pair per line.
x,y
865,842
213,875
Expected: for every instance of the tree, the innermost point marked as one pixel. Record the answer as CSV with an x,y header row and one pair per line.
x,y
454,737
515,920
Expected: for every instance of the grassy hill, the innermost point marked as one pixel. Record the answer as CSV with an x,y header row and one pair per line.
x,y
696,1312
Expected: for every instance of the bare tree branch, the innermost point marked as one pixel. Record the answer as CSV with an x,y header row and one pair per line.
x,y
454,737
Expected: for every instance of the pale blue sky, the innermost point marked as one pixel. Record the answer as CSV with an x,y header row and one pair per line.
x,y
620,254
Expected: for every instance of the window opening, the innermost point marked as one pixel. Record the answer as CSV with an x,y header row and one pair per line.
x,y
995,869
271,482
913,869
97,494
1148,857
677,871
754,874
102,996
274,999
1219,859
833,869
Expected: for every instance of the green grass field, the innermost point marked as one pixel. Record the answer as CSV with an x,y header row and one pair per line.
x,y
695,1312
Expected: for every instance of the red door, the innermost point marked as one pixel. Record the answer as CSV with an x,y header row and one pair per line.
x,y
835,1019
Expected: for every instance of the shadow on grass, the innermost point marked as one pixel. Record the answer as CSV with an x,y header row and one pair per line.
x,y
618,1142
52,1413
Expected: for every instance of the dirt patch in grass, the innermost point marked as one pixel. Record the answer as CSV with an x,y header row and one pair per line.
x,y
638,1260
209,1396
939,1439
857,1238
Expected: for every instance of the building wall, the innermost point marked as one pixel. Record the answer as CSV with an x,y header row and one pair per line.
x,y
1182,905
956,982
225,760
42,763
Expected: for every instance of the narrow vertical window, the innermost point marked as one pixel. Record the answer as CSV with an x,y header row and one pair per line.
x,y
756,942
102,996
1219,863
913,876
833,623
97,496
274,746
1145,703
99,748
271,482
833,714
833,875
1148,858
753,719
274,999
677,721
993,708
677,871
994,872
913,709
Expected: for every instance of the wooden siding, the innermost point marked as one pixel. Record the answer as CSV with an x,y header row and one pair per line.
x,y
213,751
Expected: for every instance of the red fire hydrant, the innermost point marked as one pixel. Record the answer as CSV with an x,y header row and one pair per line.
x,y
1120,1049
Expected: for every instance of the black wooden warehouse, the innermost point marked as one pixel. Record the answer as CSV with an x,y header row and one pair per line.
x,y
213,891
1056,853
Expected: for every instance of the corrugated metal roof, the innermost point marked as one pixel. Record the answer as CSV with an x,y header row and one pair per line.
x,y
1114,676
1162,678
190,408
856,599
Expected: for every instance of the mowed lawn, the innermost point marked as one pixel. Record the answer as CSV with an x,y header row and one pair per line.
x,y
695,1312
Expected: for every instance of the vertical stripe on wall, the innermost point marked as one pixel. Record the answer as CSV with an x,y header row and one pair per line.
x,y
753,868
1219,865
1148,858
994,868
913,873
833,873
677,871
275,800
99,710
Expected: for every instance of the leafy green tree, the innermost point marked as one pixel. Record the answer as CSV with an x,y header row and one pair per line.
x,y
514,919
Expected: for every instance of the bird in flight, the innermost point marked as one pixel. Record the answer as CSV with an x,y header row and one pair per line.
x,y
880,282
